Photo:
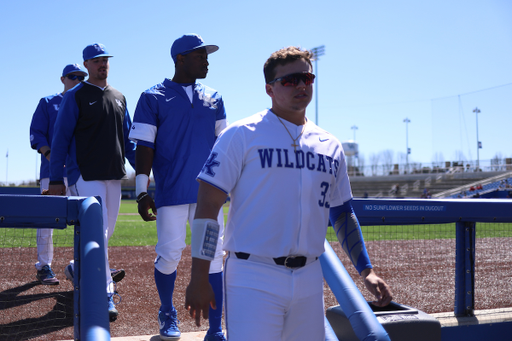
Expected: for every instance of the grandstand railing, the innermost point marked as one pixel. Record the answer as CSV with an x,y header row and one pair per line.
x,y
357,168
488,185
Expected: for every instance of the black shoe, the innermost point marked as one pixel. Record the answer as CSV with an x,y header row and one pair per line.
x,y
117,274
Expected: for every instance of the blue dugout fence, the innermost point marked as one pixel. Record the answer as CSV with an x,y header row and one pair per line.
x,y
90,304
91,317
90,298
465,214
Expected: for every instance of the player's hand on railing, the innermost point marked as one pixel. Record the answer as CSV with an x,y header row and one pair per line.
x,y
144,204
377,287
57,190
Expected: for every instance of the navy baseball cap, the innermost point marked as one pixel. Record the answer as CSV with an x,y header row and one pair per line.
x,y
94,51
188,43
73,68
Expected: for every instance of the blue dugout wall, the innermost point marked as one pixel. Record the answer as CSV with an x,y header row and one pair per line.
x,y
85,214
465,213
90,298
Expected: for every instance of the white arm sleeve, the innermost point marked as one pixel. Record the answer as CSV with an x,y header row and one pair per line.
x,y
220,125
141,184
205,233
143,132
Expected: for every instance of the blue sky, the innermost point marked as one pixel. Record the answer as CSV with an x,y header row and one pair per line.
x,y
430,61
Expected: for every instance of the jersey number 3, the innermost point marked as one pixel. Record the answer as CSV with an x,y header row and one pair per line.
x,y
324,188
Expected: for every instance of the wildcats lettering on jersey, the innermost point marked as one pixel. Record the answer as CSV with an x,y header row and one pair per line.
x,y
309,160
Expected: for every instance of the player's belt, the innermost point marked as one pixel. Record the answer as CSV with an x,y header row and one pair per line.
x,y
292,262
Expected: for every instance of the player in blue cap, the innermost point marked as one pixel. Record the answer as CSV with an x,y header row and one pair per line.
x,y
91,132
41,134
175,125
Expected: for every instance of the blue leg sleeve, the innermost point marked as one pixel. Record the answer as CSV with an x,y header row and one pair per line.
x,y
165,286
215,315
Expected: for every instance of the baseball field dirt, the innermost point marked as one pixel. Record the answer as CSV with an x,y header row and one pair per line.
x,y
30,311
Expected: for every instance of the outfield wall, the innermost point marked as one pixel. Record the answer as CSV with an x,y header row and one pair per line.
x,y
20,190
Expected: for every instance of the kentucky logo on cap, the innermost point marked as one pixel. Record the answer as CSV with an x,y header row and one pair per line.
x,y
188,43
94,51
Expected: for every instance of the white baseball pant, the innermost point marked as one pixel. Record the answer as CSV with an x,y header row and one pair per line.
x,y
44,237
110,193
273,303
171,226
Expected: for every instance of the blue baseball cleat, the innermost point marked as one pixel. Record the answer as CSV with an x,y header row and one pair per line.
x,y
69,272
168,324
112,311
215,337
46,276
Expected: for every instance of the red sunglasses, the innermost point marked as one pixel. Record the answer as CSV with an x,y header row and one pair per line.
x,y
295,78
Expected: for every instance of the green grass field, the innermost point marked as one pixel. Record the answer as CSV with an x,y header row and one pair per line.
x,y
131,230
427,231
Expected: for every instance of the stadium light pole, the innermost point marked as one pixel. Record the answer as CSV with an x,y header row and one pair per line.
x,y
407,150
317,52
354,128
478,143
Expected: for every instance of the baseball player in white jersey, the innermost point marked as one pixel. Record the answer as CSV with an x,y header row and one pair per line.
x,y
41,134
175,125
286,178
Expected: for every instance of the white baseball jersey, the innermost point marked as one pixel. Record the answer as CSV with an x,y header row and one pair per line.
x,y
280,197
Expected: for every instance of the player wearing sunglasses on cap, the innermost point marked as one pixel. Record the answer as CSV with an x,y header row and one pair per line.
x,y
286,178
41,134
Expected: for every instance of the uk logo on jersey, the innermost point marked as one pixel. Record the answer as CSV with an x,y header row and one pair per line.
x,y
119,103
207,99
210,163
56,107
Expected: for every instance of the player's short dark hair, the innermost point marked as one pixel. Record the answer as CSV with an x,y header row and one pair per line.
x,y
283,57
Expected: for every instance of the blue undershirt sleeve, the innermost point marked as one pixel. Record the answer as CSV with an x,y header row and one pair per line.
x,y
39,126
63,135
129,145
348,231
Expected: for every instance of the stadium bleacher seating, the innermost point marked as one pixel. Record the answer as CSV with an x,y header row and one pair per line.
x,y
447,185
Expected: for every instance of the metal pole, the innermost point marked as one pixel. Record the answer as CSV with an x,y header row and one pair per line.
x,y
476,111
316,92
354,128
407,121
317,52
355,156
350,298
